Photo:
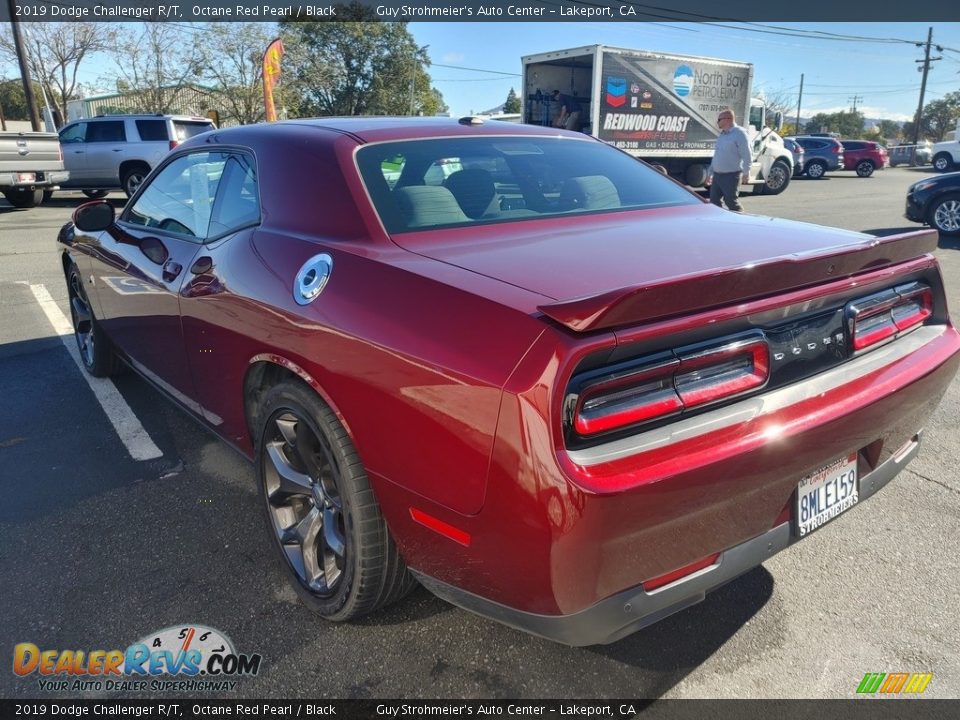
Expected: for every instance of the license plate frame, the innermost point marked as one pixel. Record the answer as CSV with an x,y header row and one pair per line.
x,y
825,494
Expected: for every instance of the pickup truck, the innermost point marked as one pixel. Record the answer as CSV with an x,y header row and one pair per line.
x,y
30,165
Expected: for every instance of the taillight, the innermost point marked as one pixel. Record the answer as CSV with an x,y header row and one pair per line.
x,y
878,318
722,372
626,398
672,382
173,144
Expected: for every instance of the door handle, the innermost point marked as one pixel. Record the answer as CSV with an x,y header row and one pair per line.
x,y
170,270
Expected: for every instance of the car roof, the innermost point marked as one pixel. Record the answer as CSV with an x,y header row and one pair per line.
x,y
381,129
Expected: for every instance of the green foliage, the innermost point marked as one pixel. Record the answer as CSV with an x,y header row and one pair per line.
x,y
12,100
940,116
355,67
847,124
890,130
512,105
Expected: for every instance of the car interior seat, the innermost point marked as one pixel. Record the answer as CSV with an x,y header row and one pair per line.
x,y
428,205
475,191
588,192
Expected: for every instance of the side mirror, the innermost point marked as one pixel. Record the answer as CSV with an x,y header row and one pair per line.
x,y
93,216
777,121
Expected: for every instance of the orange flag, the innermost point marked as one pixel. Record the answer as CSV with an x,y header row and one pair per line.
x,y
271,74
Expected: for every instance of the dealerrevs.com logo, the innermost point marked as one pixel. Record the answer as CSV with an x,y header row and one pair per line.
x,y
184,658
894,683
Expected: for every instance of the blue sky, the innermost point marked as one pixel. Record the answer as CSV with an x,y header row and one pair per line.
x,y
883,75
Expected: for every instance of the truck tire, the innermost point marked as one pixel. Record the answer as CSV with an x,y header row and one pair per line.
x,y
133,178
696,175
777,179
95,194
24,198
943,162
47,194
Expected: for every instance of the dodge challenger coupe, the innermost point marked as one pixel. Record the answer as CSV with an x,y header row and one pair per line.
x,y
511,363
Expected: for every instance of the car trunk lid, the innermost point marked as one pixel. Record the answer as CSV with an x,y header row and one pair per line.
x,y
611,270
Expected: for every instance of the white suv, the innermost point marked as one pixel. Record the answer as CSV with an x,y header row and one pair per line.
x,y
110,152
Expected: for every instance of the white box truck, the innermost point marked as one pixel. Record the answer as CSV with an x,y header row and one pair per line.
x,y
658,107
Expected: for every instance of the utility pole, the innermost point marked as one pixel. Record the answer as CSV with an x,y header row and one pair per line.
x,y
854,100
24,67
923,84
796,130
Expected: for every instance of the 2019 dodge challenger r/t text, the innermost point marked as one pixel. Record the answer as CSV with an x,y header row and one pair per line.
x,y
511,363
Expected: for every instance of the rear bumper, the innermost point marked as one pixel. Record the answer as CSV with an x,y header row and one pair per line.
x,y
630,610
12,180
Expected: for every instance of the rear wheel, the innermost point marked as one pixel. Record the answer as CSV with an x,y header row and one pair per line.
x,y
816,169
865,168
942,162
945,215
133,178
777,179
96,352
23,198
47,194
95,194
324,520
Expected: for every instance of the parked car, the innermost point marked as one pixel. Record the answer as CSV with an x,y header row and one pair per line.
x,y
798,154
557,388
30,164
910,154
822,154
935,201
116,152
864,156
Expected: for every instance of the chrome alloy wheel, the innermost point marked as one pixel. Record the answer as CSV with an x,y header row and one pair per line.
x,y
946,216
82,321
303,500
778,177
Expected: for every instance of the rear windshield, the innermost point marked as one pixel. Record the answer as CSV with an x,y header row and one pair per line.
x,y
424,184
186,130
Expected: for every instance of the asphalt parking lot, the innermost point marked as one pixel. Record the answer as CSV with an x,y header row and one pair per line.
x,y
99,549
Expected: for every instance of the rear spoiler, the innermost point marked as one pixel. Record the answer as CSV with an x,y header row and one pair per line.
x,y
726,286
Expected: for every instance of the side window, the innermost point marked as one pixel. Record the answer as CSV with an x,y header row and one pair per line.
x,y
180,198
107,131
238,203
149,130
73,133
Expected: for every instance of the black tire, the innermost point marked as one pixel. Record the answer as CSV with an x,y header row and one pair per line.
x,y
943,162
47,194
816,169
865,168
133,177
777,179
24,198
324,521
944,214
95,194
95,348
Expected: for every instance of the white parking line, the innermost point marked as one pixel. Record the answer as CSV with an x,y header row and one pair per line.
x,y
124,421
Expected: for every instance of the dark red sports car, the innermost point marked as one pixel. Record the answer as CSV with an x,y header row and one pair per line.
x,y
512,363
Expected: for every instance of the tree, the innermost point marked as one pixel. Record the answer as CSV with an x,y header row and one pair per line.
x,y
890,130
55,52
847,124
231,60
12,101
940,116
150,67
356,66
512,105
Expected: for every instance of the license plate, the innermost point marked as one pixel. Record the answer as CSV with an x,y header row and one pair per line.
x,y
823,495
26,177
